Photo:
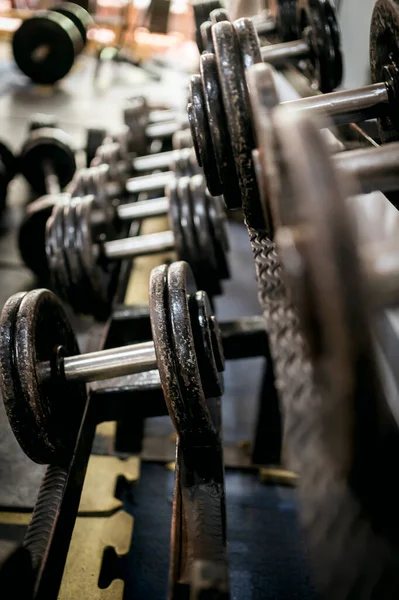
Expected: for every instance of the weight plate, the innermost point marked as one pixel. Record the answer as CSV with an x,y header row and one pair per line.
x,y
174,217
219,132
55,255
44,412
264,98
98,270
318,24
77,14
201,314
170,289
84,299
45,47
31,238
206,36
52,145
218,227
384,61
206,272
204,147
346,432
236,104
75,293
192,124
190,251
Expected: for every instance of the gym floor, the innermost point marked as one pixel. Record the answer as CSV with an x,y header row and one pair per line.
x,y
266,553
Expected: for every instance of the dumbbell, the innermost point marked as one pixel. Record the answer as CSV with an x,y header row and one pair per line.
x,y
374,168
8,169
283,23
45,46
180,162
106,182
47,160
82,251
43,375
337,285
219,84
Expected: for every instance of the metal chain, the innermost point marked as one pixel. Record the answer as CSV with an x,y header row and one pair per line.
x,y
293,370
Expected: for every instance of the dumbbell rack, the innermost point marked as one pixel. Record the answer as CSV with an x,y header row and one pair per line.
x,y
66,499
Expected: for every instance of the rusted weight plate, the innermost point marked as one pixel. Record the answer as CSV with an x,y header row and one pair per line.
x,y
54,245
219,232
263,95
232,59
210,357
203,146
195,206
317,22
218,130
44,410
170,291
384,61
348,431
96,271
206,36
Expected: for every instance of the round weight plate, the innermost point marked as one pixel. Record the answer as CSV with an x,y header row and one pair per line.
x,y
287,20
219,132
338,437
175,219
202,11
54,252
170,289
181,220
45,46
264,98
384,61
9,161
97,269
218,226
318,23
206,36
78,15
52,145
206,272
44,412
236,106
201,313
31,237
71,258
84,300
199,122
